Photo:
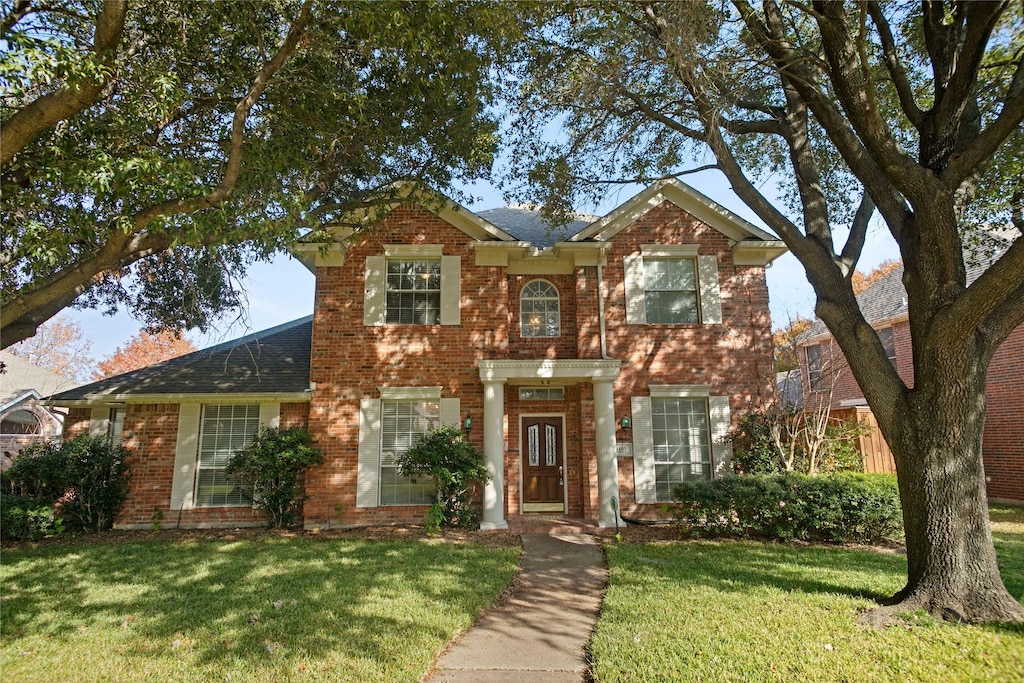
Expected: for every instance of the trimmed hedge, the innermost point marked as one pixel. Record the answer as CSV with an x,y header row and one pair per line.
x,y
846,507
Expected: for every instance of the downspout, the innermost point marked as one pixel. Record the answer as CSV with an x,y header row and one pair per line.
x,y
600,308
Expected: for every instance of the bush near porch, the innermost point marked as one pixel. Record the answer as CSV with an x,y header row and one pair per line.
x,y
241,606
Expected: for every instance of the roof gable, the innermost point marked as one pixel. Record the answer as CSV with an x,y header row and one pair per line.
x,y
686,198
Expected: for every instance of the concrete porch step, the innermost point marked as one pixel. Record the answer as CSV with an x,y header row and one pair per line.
x,y
552,524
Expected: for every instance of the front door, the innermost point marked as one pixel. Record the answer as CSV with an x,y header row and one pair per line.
x,y
543,477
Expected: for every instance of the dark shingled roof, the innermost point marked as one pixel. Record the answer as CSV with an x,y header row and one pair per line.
x,y
525,223
271,361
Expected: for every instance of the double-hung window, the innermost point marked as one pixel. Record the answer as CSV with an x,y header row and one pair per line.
x,y
402,425
672,284
815,377
682,444
538,310
223,430
670,290
413,292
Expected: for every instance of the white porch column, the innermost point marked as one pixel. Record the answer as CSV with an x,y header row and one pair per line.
x,y
494,453
604,436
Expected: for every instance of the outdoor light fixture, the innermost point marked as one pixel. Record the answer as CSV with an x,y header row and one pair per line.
x,y
625,422
468,424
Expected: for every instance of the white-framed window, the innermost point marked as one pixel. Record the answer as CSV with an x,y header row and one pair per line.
x,y
541,394
680,433
888,343
413,292
223,430
682,442
403,422
539,310
670,290
413,284
815,376
115,425
672,285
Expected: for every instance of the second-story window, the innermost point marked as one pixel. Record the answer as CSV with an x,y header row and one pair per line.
x,y
670,290
538,310
815,379
413,292
888,343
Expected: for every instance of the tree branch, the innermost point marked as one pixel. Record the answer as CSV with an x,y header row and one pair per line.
x,y
896,71
981,304
49,109
858,232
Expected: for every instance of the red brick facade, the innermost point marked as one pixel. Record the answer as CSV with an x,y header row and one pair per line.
x,y
352,361
1003,442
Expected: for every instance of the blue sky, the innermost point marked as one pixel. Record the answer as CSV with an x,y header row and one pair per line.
x,y
282,290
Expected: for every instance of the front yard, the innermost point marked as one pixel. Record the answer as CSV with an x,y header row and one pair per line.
x,y
742,611
252,608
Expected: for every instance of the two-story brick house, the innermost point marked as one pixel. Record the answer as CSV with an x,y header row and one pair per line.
x,y
827,376
601,367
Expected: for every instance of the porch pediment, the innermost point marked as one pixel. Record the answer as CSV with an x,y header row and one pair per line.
x,y
548,371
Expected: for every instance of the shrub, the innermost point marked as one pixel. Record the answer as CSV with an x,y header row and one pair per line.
x,y
454,464
271,470
754,448
846,507
28,519
87,476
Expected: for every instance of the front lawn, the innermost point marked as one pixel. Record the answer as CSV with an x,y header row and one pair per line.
x,y
253,608
743,611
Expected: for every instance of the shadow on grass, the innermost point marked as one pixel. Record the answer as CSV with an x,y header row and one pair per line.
x,y
234,598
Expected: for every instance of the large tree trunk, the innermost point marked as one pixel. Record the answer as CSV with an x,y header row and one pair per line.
x,y
952,571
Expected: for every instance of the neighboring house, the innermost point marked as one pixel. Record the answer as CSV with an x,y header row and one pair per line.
x,y
605,365
24,418
790,389
884,305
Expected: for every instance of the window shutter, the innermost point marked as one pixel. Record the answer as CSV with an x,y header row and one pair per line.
x,y
451,290
449,412
721,447
185,452
368,470
374,294
710,296
633,268
99,421
270,415
643,451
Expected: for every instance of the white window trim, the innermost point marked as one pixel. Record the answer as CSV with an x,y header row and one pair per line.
x,y
413,251
557,299
709,296
719,427
370,416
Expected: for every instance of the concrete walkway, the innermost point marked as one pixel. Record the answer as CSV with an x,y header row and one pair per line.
x,y
540,633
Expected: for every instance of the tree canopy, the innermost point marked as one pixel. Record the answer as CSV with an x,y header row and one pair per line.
x,y
151,151
143,349
60,346
913,111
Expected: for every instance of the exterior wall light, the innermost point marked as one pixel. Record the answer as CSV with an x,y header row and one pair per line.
x,y
626,424
467,425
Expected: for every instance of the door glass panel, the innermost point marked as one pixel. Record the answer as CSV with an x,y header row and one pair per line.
x,y
550,438
533,434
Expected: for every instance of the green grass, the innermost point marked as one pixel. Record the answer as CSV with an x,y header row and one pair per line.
x,y
742,611
257,609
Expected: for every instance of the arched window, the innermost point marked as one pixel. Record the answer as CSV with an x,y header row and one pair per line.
x,y
538,310
21,422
